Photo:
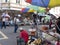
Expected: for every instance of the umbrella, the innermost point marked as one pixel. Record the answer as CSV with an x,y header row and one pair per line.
x,y
33,7
44,3
27,10
5,15
47,17
31,10
24,9
42,14
36,8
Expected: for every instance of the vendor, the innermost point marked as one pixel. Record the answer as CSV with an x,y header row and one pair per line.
x,y
23,35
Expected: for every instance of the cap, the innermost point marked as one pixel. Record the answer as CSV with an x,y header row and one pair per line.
x,y
20,28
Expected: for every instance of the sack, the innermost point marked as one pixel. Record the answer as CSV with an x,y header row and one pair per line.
x,y
35,42
30,43
20,39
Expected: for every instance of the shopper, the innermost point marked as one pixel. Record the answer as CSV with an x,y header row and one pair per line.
x,y
24,35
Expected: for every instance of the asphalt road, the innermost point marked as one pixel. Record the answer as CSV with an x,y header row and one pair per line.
x,y
8,37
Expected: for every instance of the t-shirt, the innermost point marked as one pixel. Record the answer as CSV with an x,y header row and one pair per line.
x,y
3,19
16,20
24,35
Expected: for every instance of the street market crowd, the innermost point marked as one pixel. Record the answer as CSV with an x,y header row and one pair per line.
x,y
44,36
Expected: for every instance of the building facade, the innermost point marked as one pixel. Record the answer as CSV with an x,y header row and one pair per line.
x,y
12,4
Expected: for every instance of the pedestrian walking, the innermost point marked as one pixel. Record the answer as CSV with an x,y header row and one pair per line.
x,y
15,24
5,18
57,42
3,23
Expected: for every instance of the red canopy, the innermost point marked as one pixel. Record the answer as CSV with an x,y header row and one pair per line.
x,y
29,1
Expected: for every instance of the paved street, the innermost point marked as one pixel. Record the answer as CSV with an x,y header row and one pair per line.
x,y
7,37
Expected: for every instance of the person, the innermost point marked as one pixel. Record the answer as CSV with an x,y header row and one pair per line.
x,y
33,34
0,23
15,24
3,22
23,35
25,21
5,18
57,42
58,25
48,43
42,20
50,23
31,23
54,33
34,19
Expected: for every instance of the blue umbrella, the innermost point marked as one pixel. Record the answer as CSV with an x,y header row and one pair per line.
x,y
44,3
24,10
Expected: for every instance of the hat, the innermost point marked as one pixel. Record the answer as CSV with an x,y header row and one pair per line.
x,y
20,28
35,12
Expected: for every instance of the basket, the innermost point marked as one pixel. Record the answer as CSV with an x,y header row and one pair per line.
x,y
33,33
44,28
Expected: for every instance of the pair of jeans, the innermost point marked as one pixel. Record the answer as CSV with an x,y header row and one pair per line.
x,y
3,25
15,28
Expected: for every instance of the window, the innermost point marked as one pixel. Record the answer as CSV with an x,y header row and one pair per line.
x,y
17,1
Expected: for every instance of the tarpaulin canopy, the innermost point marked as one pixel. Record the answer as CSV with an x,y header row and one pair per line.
x,y
44,3
31,10
36,8
55,11
24,9
5,15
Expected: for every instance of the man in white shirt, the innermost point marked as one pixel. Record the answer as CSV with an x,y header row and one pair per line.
x,y
16,24
5,18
